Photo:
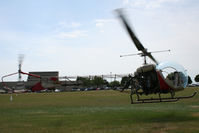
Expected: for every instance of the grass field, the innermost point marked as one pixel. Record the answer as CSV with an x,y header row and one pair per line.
x,y
96,111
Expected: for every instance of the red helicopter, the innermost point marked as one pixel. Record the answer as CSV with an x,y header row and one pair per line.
x,y
157,78
20,86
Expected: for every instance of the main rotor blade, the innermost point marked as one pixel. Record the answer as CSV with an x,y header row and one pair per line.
x,y
137,43
151,57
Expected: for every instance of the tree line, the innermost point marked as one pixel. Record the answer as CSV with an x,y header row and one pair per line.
x,y
196,79
100,82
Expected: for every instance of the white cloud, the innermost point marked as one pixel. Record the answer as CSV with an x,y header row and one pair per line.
x,y
125,2
64,24
72,34
148,3
69,30
100,23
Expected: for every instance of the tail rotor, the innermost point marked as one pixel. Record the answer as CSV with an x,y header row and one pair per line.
x,y
20,84
20,61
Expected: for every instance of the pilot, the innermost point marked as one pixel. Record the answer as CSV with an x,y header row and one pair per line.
x,y
176,79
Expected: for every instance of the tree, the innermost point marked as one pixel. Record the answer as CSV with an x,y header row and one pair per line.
x,y
85,81
95,82
114,84
125,80
189,80
98,81
196,78
106,82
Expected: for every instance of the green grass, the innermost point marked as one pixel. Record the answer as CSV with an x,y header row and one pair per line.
x,y
96,111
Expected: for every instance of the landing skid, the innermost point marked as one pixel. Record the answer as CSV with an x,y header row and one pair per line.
x,y
158,100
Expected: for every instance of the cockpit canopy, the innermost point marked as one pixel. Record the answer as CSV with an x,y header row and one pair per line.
x,y
174,74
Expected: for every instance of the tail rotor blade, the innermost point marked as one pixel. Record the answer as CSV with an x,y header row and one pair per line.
x,y
20,61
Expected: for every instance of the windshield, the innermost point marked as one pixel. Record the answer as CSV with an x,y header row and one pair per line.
x,y
174,74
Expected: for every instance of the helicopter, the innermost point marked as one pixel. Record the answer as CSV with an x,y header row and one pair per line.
x,y
40,84
20,86
157,78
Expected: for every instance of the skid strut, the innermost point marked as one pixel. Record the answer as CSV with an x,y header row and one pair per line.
x,y
158,100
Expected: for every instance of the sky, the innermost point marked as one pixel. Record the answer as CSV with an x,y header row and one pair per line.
x,y
85,37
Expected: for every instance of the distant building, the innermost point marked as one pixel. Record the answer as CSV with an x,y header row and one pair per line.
x,y
47,79
45,75
42,80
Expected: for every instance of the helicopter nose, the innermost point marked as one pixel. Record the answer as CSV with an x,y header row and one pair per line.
x,y
174,74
